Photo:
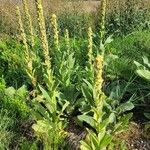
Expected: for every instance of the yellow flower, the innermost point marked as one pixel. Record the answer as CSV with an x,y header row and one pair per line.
x,y
42,30
98,76
28,22
102,19
90,45
55,30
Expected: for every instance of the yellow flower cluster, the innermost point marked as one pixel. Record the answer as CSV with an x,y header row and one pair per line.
x,y
28,58
98,75
29,22
42,30
55,30
103,16
90,45
23,35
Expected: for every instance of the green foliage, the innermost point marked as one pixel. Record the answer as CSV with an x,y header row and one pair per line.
x,y
6,133
11,62
144,72
76,22
129,17
14,101
125,50
49,127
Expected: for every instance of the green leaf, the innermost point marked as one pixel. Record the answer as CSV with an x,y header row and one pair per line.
x,y
85,146
112,117
108,40
125,107
101,135
138,64
147,115
45,94
106,141
87,119
146,61
41,111
88,95
65,106
144,74
22,91
10,92
94,140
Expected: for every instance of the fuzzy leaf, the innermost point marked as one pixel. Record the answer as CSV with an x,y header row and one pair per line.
x,y
87,119
125,107
144,74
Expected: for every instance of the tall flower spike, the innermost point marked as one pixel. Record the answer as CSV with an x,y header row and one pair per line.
x,y
98,76
55,30
67,41
23,35
43,36
102,19
28,20
28,58
90,46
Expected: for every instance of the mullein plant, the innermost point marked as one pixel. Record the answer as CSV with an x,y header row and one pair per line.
x,y
99,138
27,52
49,126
